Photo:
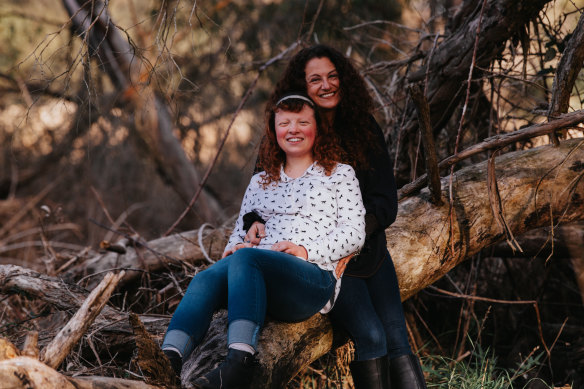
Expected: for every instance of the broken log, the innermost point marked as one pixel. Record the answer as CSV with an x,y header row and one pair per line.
x,y
67,338
182,248
26,373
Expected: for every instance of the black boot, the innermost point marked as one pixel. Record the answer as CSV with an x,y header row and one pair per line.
x,y
235,372
370,374
405,372
175,361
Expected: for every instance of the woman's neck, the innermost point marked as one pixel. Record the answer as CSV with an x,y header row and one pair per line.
x,y
328,116
295,167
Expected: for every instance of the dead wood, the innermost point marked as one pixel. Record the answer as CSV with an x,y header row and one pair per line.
x,y
428,141
26,373
129,72
537,187
567,72
31,345
150,359
182,248
565,241
498,141
61,345
450,62
111,324
7,350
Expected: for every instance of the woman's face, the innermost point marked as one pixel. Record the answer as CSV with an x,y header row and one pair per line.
x,y
322,82
296,131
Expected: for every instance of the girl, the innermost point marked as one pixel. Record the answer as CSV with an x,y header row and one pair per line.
x,y
313,215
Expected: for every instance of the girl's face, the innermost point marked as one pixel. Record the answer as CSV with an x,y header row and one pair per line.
x,y
322,82
296,131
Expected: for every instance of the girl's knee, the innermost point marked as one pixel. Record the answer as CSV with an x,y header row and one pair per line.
x,y
243,256
205,279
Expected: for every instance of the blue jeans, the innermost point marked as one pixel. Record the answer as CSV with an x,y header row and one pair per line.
x,y
370,310
251,282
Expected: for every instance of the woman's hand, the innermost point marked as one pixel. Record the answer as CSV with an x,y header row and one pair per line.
x,y
290,248
231,250
342,265
256,232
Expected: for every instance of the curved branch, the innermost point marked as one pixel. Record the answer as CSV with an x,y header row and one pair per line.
x,y
565,121
568,70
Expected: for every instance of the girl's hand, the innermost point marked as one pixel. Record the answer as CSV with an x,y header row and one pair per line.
x,y
256,232
290,248
231,250
342,265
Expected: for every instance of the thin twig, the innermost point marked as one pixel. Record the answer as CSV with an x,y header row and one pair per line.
x,y
458,135
433,172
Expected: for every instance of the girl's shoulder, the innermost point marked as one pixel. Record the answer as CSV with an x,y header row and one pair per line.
x,y
343,168
256,179
340,172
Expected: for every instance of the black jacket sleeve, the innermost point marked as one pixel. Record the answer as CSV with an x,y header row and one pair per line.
x,y
380,198
378,184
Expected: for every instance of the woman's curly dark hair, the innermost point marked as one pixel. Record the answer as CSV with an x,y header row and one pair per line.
x,y
326,149
352,115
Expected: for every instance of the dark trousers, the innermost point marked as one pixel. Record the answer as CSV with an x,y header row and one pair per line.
x,y
370,310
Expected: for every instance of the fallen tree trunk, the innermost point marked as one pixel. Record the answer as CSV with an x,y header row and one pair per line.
x,y
538,187
183,248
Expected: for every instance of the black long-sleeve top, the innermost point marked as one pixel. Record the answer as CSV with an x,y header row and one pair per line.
x,y
380,199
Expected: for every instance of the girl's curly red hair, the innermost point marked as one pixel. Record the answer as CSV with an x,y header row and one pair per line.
x,y
326,149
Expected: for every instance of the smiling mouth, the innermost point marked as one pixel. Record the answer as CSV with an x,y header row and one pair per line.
x,y
294,139
327,95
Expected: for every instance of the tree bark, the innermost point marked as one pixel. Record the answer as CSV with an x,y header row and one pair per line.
x,y
152,256
568,69
538,187
26,373
451,60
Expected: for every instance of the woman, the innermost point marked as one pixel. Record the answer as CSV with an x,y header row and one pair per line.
x,y
313,215
369,305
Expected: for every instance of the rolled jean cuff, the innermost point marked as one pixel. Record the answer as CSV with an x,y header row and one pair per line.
x,y
243,331
178,340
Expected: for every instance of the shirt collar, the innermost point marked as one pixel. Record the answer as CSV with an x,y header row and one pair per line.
x,y
311,170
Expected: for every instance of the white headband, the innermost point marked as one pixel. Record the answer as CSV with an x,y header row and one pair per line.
x,y
299,97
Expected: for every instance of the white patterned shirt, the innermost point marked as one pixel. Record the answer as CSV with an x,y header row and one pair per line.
x,y
324,214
